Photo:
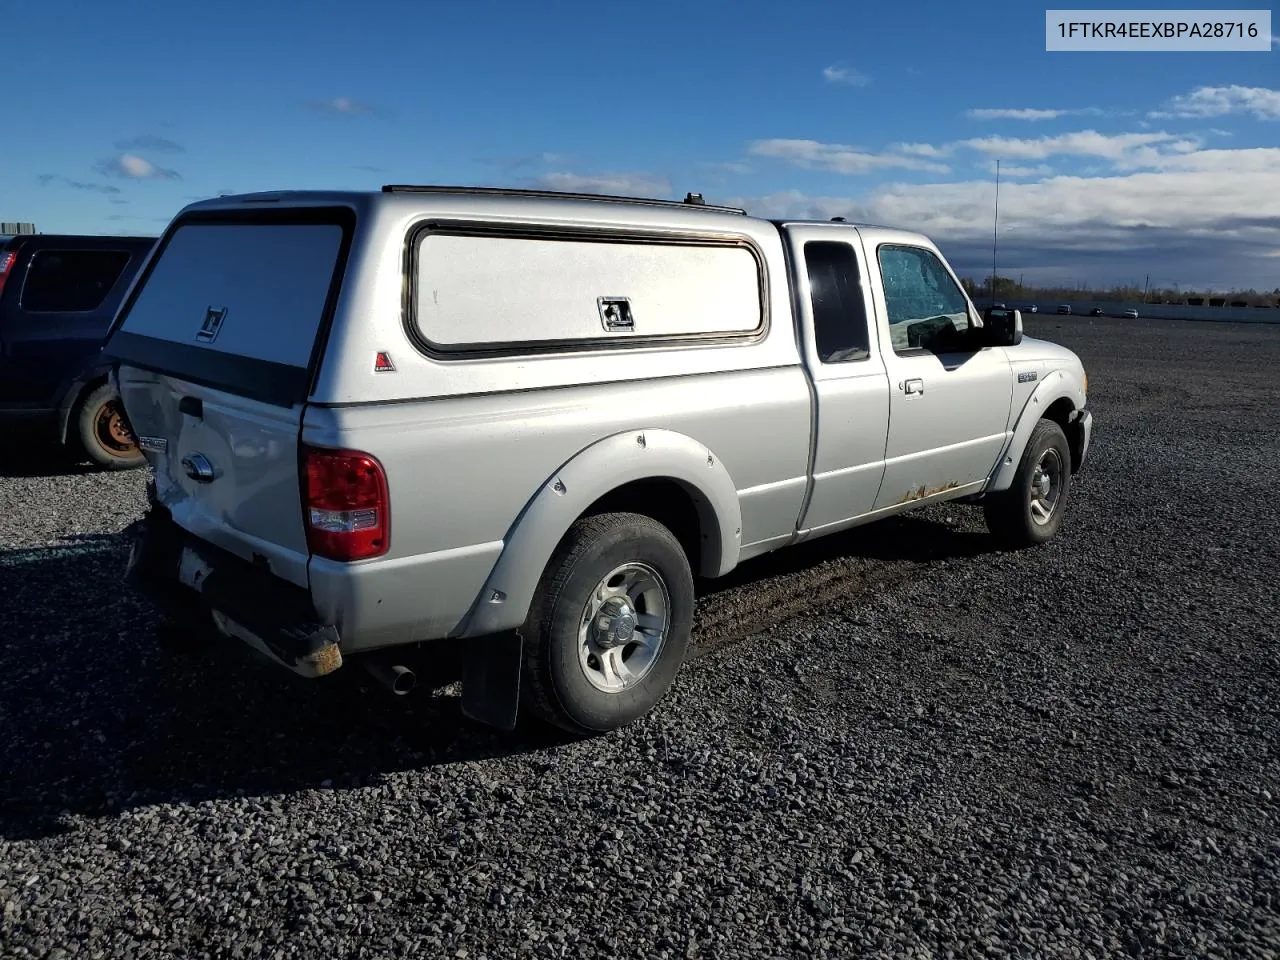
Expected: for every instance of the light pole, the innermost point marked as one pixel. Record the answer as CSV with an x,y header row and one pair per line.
x,y
995,237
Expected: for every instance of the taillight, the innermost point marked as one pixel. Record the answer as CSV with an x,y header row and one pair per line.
x,y
346,501
6,265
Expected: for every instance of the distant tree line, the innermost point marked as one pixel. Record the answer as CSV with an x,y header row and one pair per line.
x,y
1010,289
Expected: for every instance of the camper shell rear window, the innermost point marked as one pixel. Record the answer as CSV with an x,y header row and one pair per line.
x,y
239,300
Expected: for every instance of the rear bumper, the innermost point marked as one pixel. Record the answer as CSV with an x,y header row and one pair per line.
x,y
193,581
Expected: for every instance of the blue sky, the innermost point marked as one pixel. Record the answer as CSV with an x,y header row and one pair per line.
x,y
1114,165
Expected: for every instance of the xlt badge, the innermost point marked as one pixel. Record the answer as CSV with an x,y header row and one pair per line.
x,y
154,444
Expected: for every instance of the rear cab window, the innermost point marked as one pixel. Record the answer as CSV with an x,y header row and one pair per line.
x,y
71,281
835,294
239,301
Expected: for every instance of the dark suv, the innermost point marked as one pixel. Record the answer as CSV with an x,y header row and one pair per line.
x,y
58,295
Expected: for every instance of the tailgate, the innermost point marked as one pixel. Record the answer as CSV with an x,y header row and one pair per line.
x,y
217,346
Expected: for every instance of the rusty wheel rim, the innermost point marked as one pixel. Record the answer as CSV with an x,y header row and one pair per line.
x,y
110,430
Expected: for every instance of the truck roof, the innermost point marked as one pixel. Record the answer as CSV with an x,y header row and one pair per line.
x,y
692,211
691,200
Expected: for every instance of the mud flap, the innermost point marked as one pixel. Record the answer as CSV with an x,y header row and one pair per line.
x,y
491,679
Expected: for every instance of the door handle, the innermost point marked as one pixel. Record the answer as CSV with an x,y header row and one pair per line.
x,y
913,386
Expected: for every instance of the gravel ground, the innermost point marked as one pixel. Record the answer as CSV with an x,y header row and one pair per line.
x,y
893,743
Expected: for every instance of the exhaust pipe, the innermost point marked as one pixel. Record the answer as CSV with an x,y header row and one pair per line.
x,y
395,677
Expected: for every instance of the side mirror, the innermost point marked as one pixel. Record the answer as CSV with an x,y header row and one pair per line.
x,y
1003,328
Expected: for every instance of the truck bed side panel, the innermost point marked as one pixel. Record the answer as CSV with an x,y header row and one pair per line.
x,y
460,471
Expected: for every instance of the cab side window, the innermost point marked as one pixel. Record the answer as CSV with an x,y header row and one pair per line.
x,y
839,311
927,310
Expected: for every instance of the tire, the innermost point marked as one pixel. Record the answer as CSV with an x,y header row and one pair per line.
x,y
103,434
569,671
1029,514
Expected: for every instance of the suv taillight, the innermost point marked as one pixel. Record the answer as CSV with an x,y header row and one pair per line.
x,y
346,503
6,265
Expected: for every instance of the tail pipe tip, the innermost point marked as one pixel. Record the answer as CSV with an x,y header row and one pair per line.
x,y
397,678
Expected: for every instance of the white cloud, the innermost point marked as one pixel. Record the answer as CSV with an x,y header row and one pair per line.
x,y
1028,113
341,105
1123,151
922,149
1260,102
129,166
1250,161
1015,170
845,76
1014,114
615,184
1209,217
839,158
1131,149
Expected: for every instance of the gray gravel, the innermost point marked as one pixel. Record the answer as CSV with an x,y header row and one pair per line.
x,y
895,743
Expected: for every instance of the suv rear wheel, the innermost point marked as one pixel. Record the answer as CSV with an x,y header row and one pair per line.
x,y
104,433
609,626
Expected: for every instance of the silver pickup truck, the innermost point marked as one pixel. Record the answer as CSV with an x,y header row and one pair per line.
x,y
523,422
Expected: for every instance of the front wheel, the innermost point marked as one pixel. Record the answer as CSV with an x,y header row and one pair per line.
x,y
609,627
1030,512
104,433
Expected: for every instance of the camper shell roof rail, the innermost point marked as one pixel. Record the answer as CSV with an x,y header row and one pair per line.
x,y
692,200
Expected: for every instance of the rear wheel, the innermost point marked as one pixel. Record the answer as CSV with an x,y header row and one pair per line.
x,y
609,627
1031,510
103,432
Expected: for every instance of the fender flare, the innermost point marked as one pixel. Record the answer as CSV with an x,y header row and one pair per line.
x,y
503,603
1056,385
71,391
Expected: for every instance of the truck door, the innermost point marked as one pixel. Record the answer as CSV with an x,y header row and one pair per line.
x,y
949,401
851,386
